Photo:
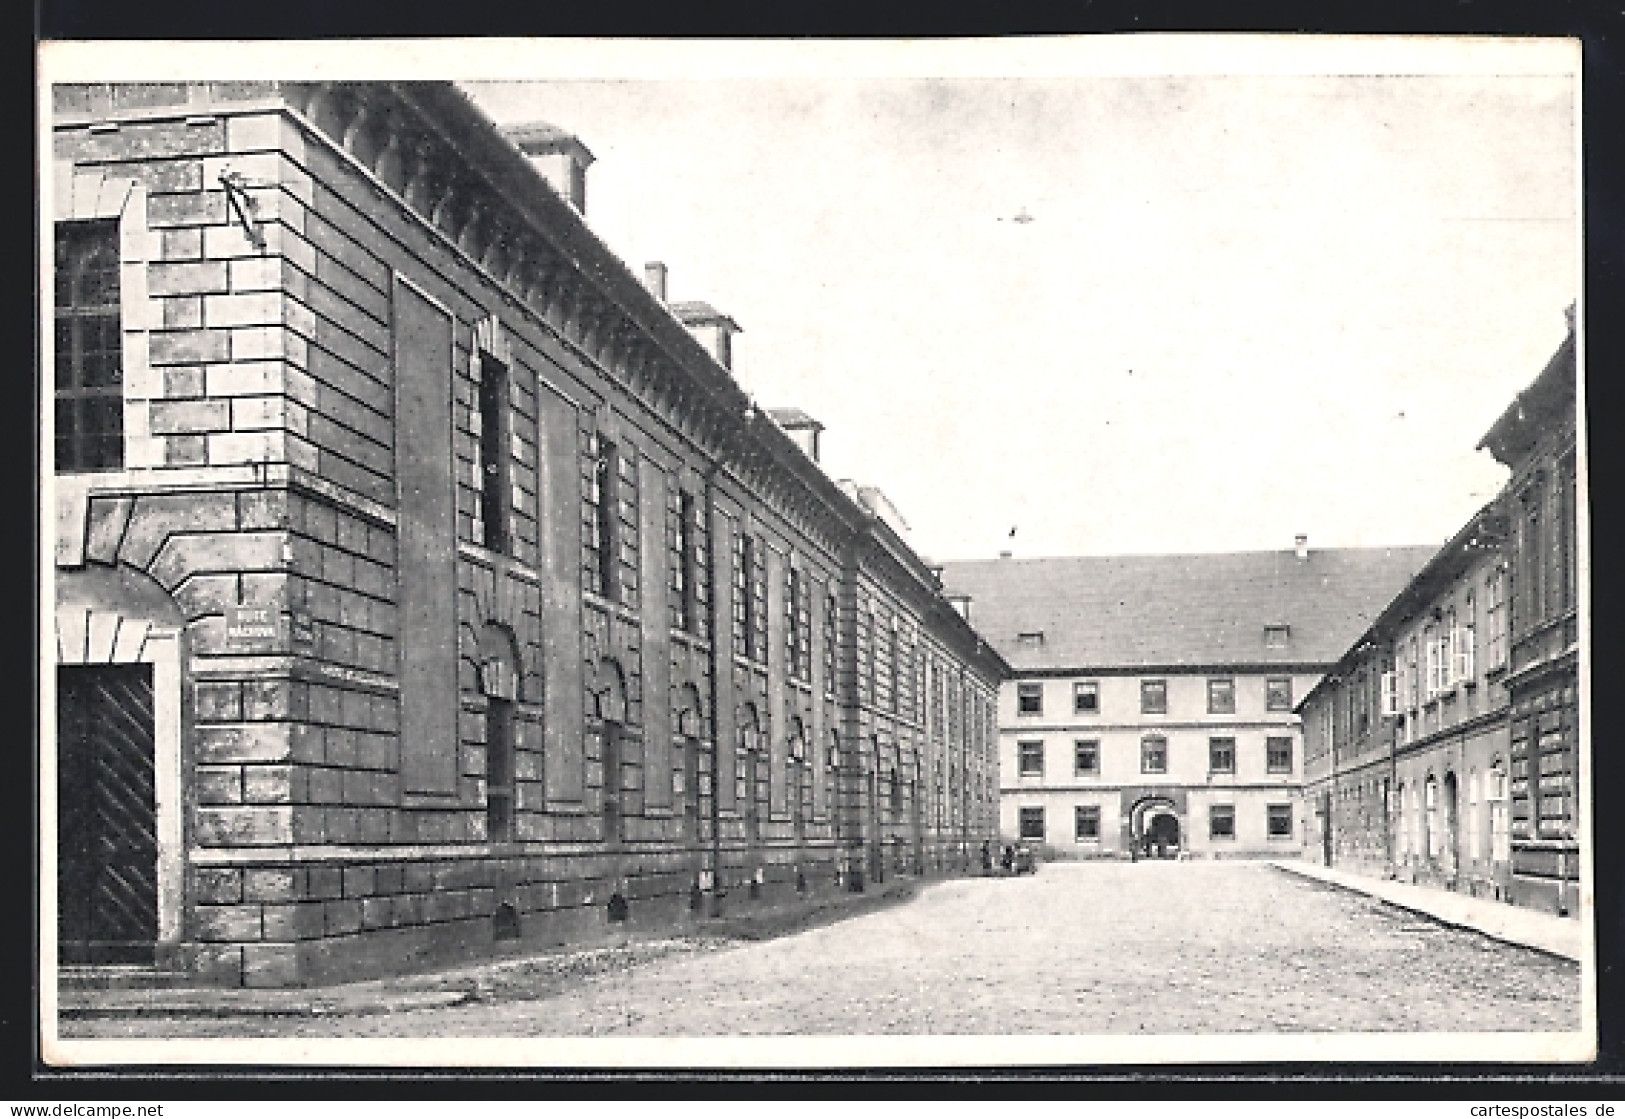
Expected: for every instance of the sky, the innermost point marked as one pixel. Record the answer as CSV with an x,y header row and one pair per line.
x,y
1246,306
1270,285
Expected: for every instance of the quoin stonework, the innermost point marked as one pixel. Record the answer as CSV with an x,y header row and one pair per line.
x,y
424,580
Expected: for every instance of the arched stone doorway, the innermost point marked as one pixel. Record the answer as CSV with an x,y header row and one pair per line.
x,y
1155,827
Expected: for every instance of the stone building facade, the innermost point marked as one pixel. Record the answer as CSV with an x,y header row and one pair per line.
x,y
423,580
1444,748
1152,708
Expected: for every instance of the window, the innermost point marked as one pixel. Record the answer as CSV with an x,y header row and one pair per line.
x,y
1033,640
1278,755
750,594
1280,821
89,348
1086,757
496,485
1436,667
1564,536
689,565
1086,823
1278,693
1030,759
601,535
1086,698
1032,823
1221,755
798,624
1221,821
1462,654
1154,697
1531,596
1029,699
1221,696
1154,755
829,644
1277,637
1495,620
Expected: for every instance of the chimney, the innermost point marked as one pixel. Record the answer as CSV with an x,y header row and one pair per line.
x,y
654,278
557,156
714,330
1301,544
800,427
1568,315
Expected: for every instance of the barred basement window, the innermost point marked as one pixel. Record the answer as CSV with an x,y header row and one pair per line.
x,y
89,348
1221,821
1032,824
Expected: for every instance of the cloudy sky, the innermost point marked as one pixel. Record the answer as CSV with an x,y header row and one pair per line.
x,y
1245,305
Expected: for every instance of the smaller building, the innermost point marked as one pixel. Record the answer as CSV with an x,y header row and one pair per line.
x,y
1444,746
1405,751
1152,706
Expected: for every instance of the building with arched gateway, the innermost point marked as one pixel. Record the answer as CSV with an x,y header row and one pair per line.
x,y
424,578
1151,708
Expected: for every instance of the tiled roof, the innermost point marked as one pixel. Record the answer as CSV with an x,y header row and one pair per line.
x,y
1173,610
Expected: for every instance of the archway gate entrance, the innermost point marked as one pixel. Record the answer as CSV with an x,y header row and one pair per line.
x,y
1154,824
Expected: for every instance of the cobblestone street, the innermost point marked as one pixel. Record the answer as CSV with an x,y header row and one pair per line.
x,y
1092,948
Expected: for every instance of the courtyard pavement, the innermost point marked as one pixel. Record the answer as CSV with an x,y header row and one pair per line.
x,y
1547,932
1079,948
